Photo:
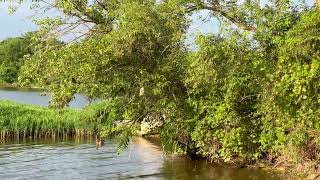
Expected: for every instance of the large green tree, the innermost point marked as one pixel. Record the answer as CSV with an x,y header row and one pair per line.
x,y
136,56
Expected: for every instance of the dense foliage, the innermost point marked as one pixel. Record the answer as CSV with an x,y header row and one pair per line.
x,y
246,93
290,102
12,51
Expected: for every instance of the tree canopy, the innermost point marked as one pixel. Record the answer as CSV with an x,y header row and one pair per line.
x,y
12,51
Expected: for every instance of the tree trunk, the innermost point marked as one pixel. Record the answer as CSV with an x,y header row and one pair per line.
x,y
318,4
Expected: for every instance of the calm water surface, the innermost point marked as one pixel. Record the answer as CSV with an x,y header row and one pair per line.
x,y
32,96
79,159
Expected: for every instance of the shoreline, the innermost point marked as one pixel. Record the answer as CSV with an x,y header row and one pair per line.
x,y
283,169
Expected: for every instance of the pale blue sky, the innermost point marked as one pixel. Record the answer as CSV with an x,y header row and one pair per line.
x,y
16,24
20,22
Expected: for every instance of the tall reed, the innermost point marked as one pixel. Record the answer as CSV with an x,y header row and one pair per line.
x,y
20,121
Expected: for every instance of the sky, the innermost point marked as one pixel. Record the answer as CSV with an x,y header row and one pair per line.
x,y
21,22
13,25
16,24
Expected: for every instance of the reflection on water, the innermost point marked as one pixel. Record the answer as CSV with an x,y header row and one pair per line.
x,y
79,159
32,96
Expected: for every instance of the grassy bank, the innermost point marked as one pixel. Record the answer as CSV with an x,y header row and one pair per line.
x,y
22,121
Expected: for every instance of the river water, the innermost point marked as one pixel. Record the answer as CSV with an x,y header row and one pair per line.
x,y
79,158
32,96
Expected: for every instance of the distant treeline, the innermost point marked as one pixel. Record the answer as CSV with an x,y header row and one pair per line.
x,y
12,51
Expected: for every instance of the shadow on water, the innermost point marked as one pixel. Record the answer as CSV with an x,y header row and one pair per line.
x,y
187,169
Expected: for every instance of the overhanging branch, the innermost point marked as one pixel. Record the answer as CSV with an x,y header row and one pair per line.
x,y
219,11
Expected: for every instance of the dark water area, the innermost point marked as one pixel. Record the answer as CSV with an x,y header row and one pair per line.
x,y
33,96
79,159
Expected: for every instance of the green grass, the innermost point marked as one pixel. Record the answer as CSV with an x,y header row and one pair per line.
x,y
23,121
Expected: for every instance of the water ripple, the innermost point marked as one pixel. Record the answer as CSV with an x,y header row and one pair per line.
x,y
81,160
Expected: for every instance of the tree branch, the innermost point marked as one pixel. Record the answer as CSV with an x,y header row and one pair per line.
x,y
217,9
